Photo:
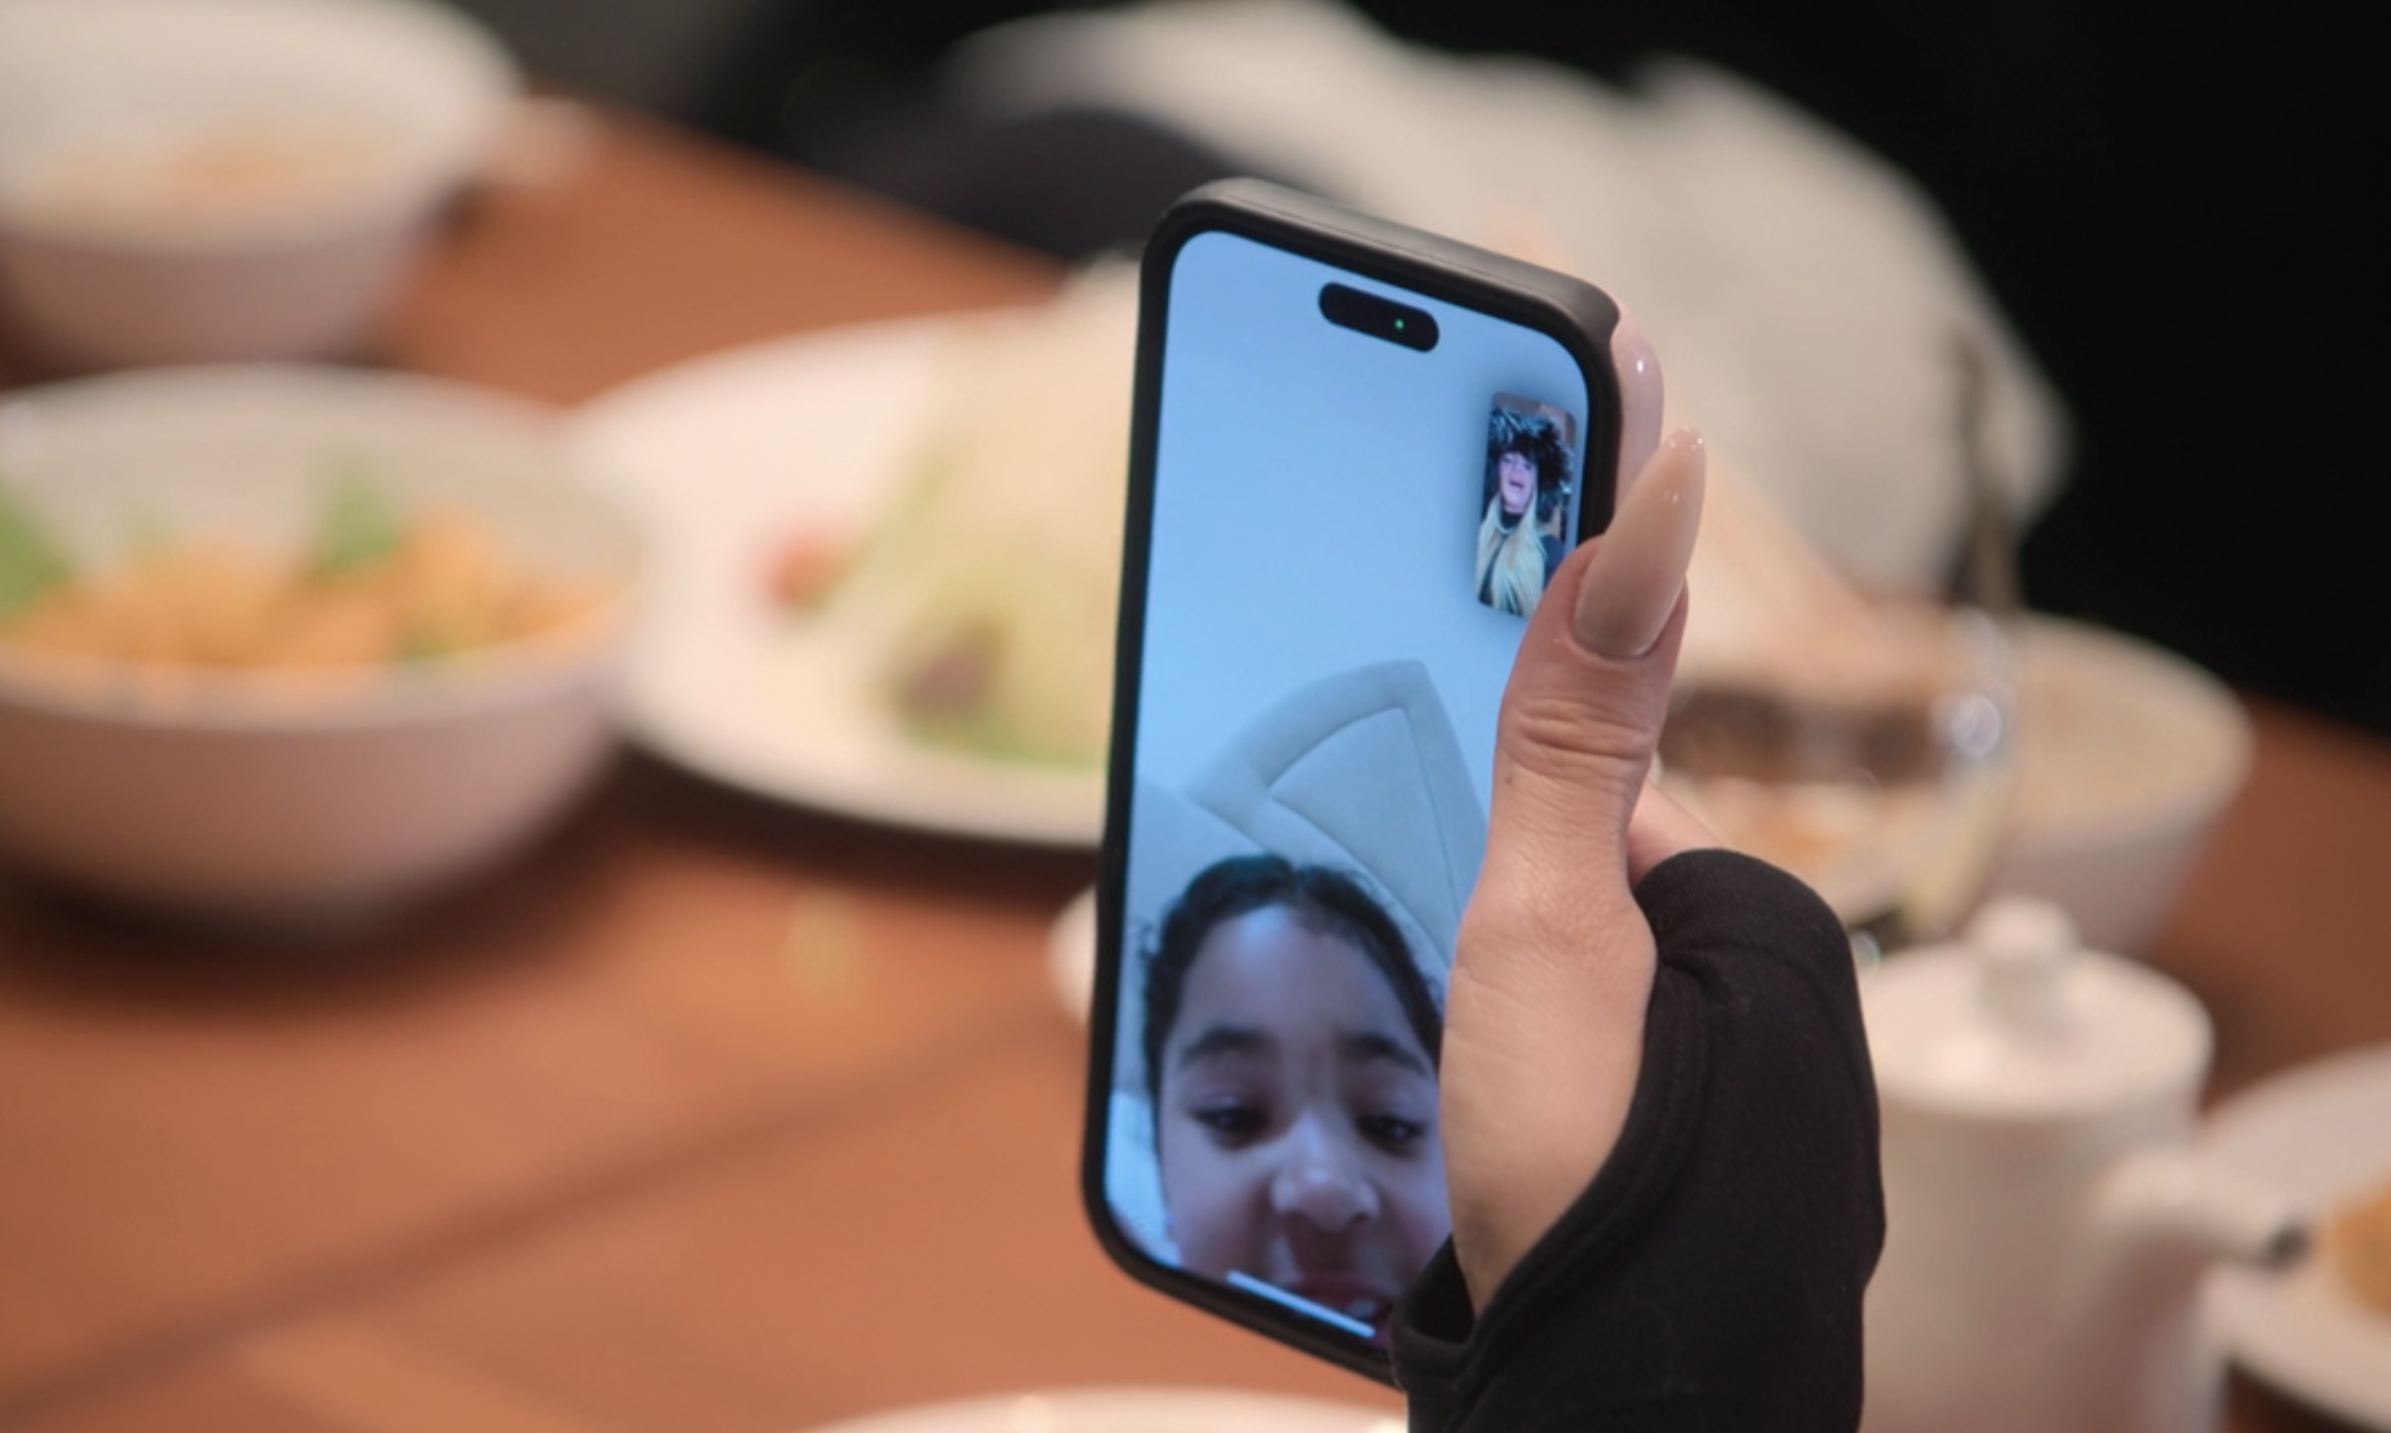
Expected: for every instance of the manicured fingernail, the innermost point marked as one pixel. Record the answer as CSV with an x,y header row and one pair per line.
x,y
1631,586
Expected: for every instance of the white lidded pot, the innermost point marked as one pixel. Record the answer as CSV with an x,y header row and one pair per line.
x,y
2047,1220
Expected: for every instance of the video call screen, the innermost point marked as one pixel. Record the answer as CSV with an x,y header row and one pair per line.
x,y
1347,534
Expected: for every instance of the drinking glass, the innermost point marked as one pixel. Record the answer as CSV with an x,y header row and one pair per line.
x,y
1863,739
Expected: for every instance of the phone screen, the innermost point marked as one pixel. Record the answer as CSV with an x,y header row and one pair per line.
x,y
1357,493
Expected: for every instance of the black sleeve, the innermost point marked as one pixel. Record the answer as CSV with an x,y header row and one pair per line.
x,y
1711,1274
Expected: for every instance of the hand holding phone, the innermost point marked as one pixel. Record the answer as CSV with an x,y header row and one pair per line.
x,y
1556,960
1360,457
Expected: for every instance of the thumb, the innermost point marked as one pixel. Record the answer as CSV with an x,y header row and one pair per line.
x,y
1590,687
1544,1022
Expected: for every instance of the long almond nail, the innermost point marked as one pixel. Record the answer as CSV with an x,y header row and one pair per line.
x,y
1631,586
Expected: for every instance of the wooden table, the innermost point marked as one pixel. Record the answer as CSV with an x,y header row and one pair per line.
x,y
711,1114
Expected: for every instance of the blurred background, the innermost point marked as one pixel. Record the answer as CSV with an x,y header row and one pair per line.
x,y
665,1017
2165,200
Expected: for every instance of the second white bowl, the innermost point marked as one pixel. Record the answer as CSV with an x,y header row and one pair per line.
x,y
281,791
228,180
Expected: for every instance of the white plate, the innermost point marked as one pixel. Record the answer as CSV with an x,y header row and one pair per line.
x,y
1158,1410
2322,1134
727,457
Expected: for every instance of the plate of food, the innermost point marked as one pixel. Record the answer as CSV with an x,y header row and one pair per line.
x,y
2321,1330
1130,1410
887,562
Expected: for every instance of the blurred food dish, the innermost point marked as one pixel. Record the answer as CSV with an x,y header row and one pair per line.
x,y
374,585
888,562
278,641
984,594
240,179
2128,755
1130,1410
2322,1134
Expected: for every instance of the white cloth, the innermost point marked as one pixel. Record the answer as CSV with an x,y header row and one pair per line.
x,y
1805,298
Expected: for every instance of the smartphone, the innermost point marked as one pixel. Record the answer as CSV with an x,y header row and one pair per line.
x,y
1358,451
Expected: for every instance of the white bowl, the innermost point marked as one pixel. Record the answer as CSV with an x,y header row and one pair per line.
x,y
2127,755
195,180
286,793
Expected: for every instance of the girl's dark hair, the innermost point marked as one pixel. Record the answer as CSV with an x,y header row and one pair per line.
x,y
1319,897
1538,437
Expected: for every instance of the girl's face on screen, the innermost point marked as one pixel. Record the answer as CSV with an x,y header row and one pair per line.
x,y
1515,479
1298,1120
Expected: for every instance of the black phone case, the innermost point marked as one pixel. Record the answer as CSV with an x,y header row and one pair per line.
x,y
1576,314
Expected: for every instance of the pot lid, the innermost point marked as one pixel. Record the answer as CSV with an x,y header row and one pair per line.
x,y
2015,1019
